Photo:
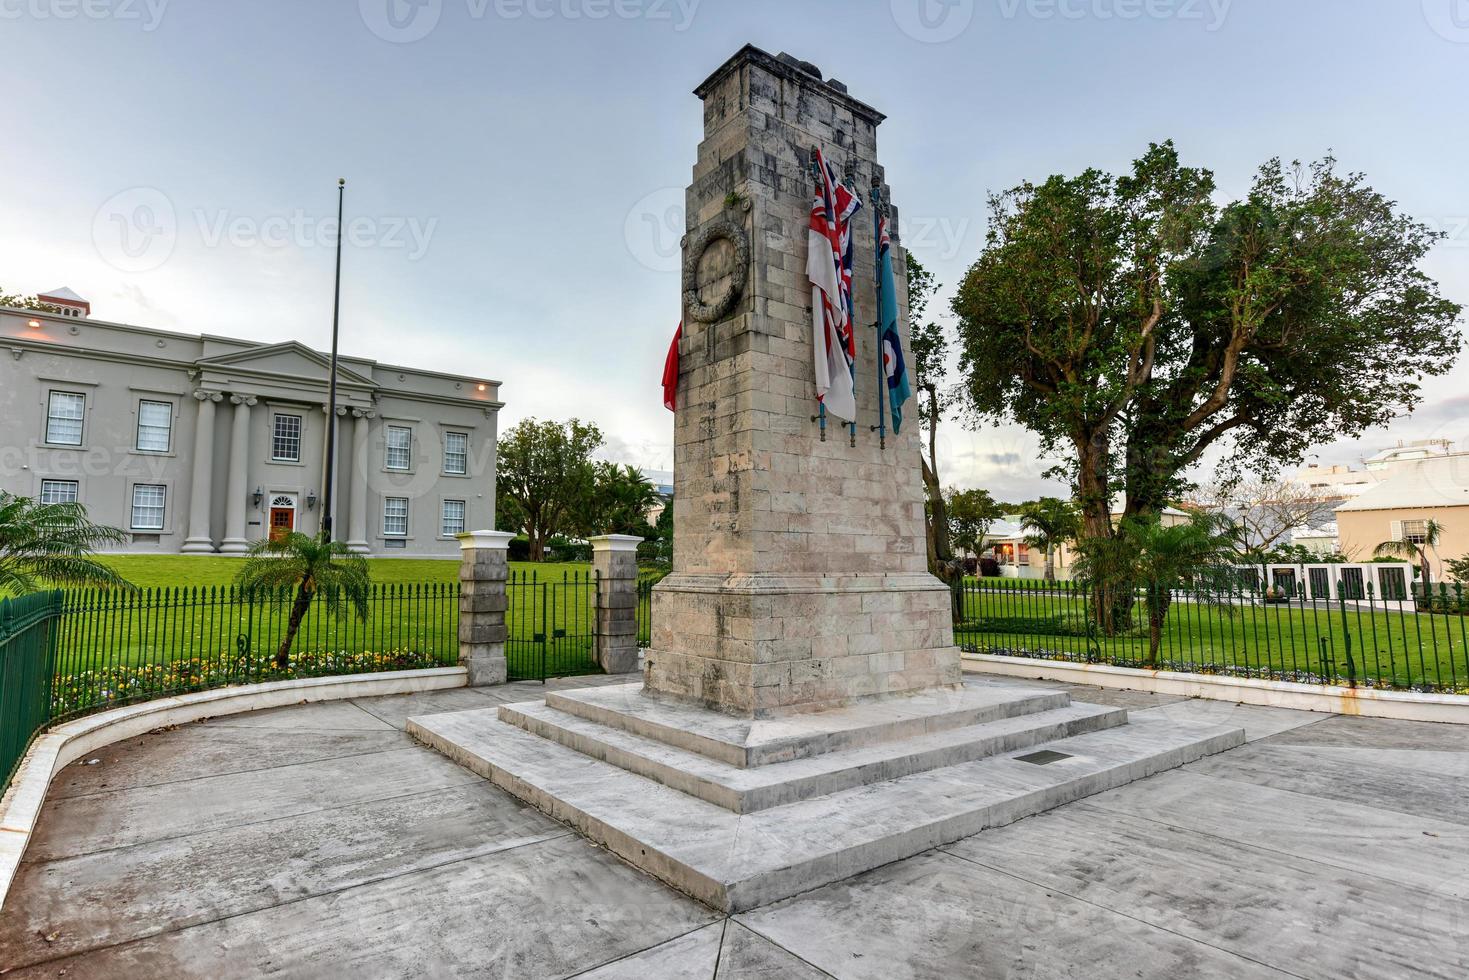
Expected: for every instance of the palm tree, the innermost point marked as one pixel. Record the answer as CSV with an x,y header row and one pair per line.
x,y
312,566
619,501
1170,557
1162,559
1053,521
51,543
1417,551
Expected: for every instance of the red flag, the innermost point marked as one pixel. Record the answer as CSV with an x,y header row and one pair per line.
x,y
829,267
670,371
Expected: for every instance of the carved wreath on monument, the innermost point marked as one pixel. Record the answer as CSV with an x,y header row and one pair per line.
x,y
722,228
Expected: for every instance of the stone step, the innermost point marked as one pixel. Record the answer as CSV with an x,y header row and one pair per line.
x,y
748,743
735,861
749,790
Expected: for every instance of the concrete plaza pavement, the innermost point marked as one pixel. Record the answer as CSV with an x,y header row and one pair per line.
x,y
320,840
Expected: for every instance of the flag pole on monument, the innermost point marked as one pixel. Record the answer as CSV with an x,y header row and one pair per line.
x,y
849,301
817,246
877,232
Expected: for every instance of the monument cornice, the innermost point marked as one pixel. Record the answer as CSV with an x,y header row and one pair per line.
x,y
798,583
749,54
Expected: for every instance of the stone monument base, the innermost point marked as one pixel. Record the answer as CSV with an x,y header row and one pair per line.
x,y
762,645
740,812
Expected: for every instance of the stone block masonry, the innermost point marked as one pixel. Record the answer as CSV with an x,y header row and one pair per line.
x,y
615,565
799,575
483,569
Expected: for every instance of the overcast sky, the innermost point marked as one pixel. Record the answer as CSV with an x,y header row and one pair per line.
x,y
516,167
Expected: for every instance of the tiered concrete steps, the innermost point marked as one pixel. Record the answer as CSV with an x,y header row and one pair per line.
x,y
749,790
739,813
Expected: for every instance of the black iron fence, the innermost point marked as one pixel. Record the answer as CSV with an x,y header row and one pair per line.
x,y
117,646
28,631
551,624
65,654
645,610
1442,597
1357,638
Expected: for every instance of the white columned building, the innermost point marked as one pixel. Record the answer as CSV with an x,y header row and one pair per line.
x,y
202,444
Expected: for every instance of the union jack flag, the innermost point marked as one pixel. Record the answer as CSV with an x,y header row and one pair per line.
x,y
829,267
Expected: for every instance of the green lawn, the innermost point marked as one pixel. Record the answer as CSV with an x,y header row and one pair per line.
x,y
186,624
1403,648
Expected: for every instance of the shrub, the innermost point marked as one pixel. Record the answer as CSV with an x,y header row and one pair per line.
x,y
126,683
564,549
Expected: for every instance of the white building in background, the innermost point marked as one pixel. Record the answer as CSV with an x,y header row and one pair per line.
x,y
200,444
662,481
1322,540
1338,482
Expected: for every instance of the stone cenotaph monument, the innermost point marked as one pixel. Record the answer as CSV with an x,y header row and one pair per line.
x,y
802,716
800,578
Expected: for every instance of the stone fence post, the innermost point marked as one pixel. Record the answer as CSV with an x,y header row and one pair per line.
x,y
615,564
483,568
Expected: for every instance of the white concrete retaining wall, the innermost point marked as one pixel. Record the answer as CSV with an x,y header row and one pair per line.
x,y
1368,702
67,742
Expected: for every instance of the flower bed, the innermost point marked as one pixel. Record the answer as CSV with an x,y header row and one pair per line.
x,y
96,690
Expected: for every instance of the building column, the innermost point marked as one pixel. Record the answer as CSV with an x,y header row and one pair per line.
x,y
237,489
357,505
201,489
329,465
615,565
483,568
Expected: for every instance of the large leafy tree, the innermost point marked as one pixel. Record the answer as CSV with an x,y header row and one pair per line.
x,y
1264,511
1133,323
971,514
545,477
311,566
51,544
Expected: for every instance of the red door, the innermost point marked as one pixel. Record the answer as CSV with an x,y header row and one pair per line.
x,y
282,522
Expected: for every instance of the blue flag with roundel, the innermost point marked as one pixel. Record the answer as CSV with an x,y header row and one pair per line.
x,y
894,368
